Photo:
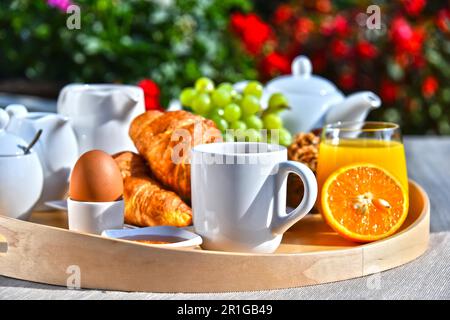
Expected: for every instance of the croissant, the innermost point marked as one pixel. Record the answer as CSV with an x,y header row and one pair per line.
x,y
147,203
165,141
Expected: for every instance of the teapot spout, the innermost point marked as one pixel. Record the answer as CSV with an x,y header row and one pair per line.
x,y
354,108
125,101
62,122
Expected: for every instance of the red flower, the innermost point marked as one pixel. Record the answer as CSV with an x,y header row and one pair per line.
x,y
429,86
237,22
282,14
419,61
339,48
253,31
323,6
256,34
413,7
347,81
151,94
388,91
405,38
402,59
401,31
415,44
302,28
275,63
338,25
341,25
366,50
326,27
149,87
443,20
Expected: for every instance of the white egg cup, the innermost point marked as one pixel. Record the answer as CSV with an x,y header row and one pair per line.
x,y
95,217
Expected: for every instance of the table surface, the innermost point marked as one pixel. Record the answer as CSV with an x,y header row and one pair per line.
x,y
428,277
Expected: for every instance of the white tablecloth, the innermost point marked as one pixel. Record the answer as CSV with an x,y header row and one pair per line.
x,y
428,277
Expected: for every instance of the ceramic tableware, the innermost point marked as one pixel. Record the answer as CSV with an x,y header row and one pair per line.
x,y
175,237
21,176
101,114
239,195
95,217
61,205
314,100
57,148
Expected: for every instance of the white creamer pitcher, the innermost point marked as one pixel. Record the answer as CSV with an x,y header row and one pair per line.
x,y
57,148
101,114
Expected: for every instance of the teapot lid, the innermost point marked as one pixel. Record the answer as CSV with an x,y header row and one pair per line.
x,y
10,144
302,81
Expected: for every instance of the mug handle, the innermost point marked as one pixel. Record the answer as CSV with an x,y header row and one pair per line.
x,y
281,221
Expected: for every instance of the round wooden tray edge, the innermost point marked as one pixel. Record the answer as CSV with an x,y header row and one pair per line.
x,y
426,209
370,262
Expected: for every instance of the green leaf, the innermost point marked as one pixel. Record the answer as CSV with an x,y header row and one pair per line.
x,y
435,111
395,71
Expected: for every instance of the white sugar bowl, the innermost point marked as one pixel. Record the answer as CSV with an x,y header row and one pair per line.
x,y
21,174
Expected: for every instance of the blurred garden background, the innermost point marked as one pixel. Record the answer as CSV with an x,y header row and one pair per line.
x,y
165,45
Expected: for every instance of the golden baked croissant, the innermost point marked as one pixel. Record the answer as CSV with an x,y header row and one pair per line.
x,y
147,203
165,141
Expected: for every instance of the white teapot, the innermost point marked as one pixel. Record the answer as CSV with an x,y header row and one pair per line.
x,y
57,147
316,101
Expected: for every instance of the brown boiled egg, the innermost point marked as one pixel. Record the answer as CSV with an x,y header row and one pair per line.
x,y
96,178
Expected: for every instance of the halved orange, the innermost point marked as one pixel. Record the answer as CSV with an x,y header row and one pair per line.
x,y
363,202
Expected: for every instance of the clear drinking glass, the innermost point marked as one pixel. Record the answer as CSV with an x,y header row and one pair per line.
x,y
378,143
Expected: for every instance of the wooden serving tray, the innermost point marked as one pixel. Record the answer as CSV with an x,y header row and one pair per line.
x,y
311,253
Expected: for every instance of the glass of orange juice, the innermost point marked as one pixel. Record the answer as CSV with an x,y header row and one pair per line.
x,y
378,143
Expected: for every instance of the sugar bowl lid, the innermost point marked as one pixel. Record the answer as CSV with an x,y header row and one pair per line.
x,y
302,81
10,144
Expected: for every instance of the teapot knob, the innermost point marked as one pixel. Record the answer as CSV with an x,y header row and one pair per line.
x,y
301,67
4,119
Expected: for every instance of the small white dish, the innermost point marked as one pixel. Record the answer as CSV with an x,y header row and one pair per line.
x,y
186,238
95,217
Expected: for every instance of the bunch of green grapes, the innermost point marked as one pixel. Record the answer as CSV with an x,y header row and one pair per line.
x,y
238,116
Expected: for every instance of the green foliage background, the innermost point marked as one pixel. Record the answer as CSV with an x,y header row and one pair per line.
x,y
170,42
173,42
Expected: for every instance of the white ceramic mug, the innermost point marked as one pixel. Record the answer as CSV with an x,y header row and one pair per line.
x,y
95,217
239,195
